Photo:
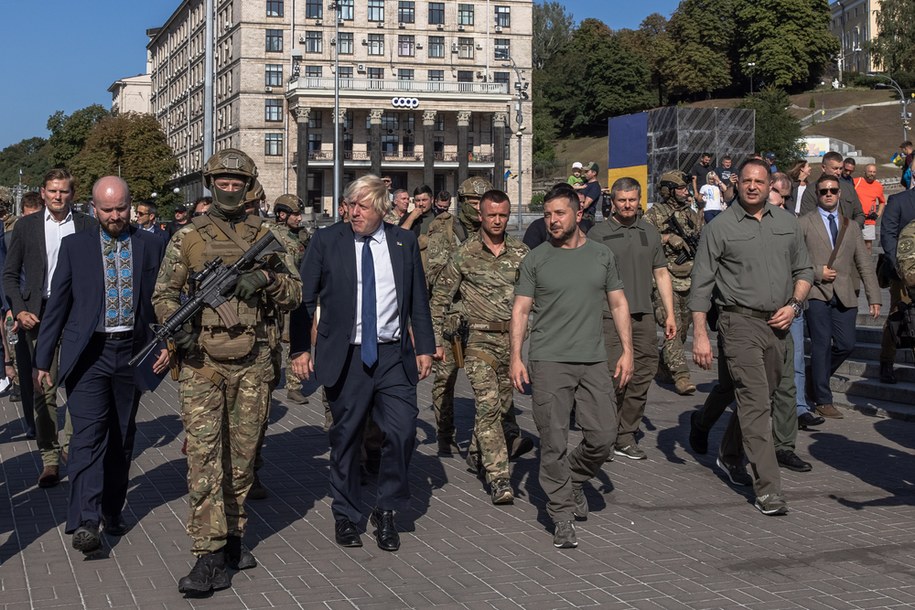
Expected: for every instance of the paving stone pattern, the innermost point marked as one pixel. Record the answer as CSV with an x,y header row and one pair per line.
x,y
668,532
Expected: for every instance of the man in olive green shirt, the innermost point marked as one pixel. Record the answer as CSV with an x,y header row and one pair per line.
x,y
566,282
639,258
754,258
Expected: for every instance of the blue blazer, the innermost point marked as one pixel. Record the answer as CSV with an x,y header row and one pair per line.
x,y
899,211
78,297
329,276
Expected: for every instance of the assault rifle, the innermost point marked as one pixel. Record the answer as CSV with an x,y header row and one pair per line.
x,y
212,286
692,241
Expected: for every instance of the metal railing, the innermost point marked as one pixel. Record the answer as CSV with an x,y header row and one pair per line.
x,y
397,86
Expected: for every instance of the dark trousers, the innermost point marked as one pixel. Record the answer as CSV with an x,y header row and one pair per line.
x,y
630,400
103,401
832,338
24,373
386,392
557,386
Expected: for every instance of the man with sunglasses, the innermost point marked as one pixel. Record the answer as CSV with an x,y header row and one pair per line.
x,y
836,248
849,204
147,215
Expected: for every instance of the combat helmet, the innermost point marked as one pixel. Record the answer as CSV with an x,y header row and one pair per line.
x,y
474,186
235,163
669,181
290,204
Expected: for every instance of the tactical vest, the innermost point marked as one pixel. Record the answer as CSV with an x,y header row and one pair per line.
x,y
205,244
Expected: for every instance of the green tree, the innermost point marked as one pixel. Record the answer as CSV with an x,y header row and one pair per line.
x,y
652,43
552,30
69,132
32,156
701,37
130,145
776,129
894,45
788,41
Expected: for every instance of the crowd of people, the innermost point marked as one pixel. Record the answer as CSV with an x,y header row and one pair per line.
x,y
403,288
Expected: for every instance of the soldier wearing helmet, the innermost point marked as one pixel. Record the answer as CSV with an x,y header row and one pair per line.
x,y
679,224
446,233
226,368
254,199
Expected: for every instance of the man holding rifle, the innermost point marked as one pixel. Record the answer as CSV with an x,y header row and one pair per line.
x,y
225,364
679,225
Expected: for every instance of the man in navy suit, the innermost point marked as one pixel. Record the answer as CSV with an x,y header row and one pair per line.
x,y
374,343
100,310
900,211
148,220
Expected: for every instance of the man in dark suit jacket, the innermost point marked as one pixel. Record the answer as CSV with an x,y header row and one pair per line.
x,y
148,220
899,211
30,264
849,204
374,343
833,299
100,311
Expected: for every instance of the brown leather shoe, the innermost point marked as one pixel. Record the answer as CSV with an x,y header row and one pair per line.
x,y
828,410
50,476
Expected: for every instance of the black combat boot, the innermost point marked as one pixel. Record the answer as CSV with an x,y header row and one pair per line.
x,y
238,555
208,574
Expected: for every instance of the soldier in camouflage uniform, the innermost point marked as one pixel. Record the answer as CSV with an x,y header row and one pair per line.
x,y
224,385
482,271
674,204
445,233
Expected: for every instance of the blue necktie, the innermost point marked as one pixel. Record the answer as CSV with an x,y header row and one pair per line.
x,y
833,228
369,315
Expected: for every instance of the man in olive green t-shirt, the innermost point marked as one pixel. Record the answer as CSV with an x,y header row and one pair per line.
x,y
566,282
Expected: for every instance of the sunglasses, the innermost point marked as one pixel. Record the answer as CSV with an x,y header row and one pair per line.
x,y
833,191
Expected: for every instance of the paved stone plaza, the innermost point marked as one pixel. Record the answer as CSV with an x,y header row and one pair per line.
x,y
668,532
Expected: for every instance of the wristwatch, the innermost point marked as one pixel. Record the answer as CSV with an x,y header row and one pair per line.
x,y
796,306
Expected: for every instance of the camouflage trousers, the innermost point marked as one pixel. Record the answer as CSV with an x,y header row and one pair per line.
x,y
443,396
673,358
486,361
223,408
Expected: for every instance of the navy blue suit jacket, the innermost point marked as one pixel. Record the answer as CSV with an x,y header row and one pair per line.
x,y
77,298
329,276
900,211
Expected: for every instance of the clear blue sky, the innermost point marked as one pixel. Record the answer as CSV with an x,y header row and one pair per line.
x,y
63,55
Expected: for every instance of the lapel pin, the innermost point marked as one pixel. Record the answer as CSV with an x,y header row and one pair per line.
x,y
400,243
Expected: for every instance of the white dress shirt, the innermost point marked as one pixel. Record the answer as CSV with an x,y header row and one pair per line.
x,y
54,232
388,320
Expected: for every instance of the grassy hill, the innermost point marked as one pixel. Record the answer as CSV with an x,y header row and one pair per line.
x,y
875,131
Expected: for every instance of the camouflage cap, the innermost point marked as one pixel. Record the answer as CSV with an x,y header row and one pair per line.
x,y
474,187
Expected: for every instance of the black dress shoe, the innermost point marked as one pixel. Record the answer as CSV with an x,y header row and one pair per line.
x,y
86,538
809,419
115,526
788,459
346,534
386,533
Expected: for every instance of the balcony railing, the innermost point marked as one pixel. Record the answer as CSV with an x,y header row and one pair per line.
x,y
360,155
398,86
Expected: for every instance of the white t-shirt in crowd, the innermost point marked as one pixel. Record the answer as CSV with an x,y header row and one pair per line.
x,y
712,196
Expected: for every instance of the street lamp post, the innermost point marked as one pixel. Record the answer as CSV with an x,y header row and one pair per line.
x,y
751,65
521,92
335,6
902,100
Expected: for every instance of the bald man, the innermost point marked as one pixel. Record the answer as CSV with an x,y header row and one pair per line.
x,y
870,192
100,310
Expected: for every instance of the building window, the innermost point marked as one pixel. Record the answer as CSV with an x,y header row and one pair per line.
x,y
436,13
465,48
439,122
503,16
314,42
376,44
313,71
390,143
406,11
465,14
436,76
314,142
500,77
436,46
465,80
390,122
405,46
345,43
375,74
376,10
273,75
314,9
273,144
346,9
346,77
274,8
314,119
274,42
273,110
404,73
409,146
502,48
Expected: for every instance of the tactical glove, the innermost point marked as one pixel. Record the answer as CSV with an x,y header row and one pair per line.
x,y
185,337
250,283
